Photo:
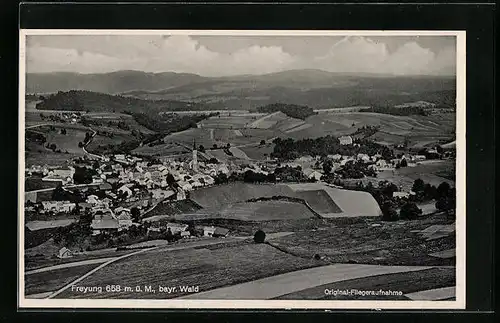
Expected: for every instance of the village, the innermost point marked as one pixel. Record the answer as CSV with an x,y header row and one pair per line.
x,y
117,192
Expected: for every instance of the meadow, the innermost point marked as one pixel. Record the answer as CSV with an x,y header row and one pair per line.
x,y
206,267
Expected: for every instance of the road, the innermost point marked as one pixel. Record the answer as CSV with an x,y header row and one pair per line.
x,y
69,265
67,187
275,286
37,125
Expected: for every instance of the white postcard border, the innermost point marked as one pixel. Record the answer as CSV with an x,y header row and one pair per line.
x,y
460,301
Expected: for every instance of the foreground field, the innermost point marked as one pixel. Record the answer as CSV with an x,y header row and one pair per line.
x,y
207,267
406,282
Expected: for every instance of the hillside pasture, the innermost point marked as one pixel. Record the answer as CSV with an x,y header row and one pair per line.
x,y
201,136
253,211
206,267
386,243
222,195
258,152
393,129
69,141
225,122
167,149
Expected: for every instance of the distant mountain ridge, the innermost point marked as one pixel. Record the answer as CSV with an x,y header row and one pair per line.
x,y
314,88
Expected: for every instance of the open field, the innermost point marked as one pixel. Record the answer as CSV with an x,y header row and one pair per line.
x,y
393,129
207,268
432,172
253,211
167,149
327,201
69,141
233,121
406,282
258,152
370,241
171,209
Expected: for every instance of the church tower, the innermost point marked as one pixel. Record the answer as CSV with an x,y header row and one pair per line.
x,y
195,157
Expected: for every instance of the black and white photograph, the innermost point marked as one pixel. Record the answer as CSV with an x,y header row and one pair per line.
x,y
242,169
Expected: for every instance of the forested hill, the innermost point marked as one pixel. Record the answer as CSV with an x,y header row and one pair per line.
x,y
291,110
100,102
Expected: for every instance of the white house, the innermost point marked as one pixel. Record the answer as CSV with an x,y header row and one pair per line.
x,y
401,194
125,190
64,253
208,231
345,140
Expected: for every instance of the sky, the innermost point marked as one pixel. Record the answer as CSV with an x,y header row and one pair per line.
x,y
236,55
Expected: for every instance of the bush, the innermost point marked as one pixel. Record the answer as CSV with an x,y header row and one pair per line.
x,y
389,212
259,236
409,211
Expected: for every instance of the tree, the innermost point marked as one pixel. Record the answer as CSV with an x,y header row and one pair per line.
x,y
430,192
82,175
53,147
327,166
418,186
136,214
409,211
259,236
170,179
388,189
228,145
403,163
262,142
220,178
201,149
214,146
389,212
443,190
169,236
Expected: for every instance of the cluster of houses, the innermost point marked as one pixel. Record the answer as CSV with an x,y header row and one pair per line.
x,y
181,229
123,180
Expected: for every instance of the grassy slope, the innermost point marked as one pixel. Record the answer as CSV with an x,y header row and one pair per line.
x,y
392,243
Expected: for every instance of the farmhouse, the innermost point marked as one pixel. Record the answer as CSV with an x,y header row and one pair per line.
x,y
60,175
127,192
161,194
177,227
105,187
64,253
345,140
104,222
311,173
401,194
220,232
58,206
208,231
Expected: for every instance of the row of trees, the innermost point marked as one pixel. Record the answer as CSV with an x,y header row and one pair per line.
x,y
288,149
402,111
291,110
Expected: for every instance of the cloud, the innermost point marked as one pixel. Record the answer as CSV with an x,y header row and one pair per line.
x,y
91,54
